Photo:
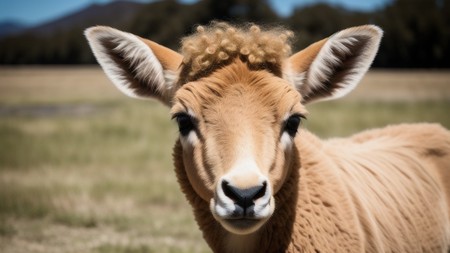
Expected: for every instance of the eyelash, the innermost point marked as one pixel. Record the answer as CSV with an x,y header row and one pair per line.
x,y
186,123
292,124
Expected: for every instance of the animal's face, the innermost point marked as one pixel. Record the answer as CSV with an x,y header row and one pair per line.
x,y
236,96
237,129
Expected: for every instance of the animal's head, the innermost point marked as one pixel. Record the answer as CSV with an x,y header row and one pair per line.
x,y
238,97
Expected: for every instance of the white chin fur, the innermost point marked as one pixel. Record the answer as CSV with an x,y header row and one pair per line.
x,y
222,210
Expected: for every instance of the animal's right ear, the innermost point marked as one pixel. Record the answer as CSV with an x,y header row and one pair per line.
x,y
332,67
140,68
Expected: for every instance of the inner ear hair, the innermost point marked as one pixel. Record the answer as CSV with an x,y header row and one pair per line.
x,y
129,66
132,63
331,68
340,69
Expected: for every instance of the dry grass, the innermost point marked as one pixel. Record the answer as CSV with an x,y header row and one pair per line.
x,y
403,86
54,85
85,169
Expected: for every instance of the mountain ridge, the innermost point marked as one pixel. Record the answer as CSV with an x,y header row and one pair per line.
x,y
93,14
11,27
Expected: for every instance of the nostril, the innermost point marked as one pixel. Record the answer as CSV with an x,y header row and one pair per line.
x,y
228,191
261,192
244,197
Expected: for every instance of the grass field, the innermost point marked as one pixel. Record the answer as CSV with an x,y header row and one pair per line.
x,y
85,169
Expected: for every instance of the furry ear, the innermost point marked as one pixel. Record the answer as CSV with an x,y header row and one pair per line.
x,y
140,68
332,67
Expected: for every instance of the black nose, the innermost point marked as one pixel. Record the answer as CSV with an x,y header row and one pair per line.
x,y
244,197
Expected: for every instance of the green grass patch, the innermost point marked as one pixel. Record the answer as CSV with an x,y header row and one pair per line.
x,y
334,118
6,228
111,248
130,135
25,201
71,219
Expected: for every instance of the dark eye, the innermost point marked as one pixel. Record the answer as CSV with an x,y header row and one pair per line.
x,y
185,123
292,124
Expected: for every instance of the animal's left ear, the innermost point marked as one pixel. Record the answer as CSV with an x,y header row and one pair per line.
x,y
332,67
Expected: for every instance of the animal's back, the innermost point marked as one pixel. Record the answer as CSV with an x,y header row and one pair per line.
x,y
398,181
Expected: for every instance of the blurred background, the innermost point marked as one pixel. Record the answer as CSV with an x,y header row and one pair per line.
x,y
417,33
85,169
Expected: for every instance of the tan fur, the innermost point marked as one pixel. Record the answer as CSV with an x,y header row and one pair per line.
x,y
384,190
301,61
396,186
169,59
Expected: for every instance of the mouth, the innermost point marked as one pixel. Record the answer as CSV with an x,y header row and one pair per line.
x,y
237,222
242,223
242,226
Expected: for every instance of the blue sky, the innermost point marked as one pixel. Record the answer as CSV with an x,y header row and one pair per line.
x,y
33,12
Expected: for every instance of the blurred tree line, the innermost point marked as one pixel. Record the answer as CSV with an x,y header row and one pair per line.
x,y
417,32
